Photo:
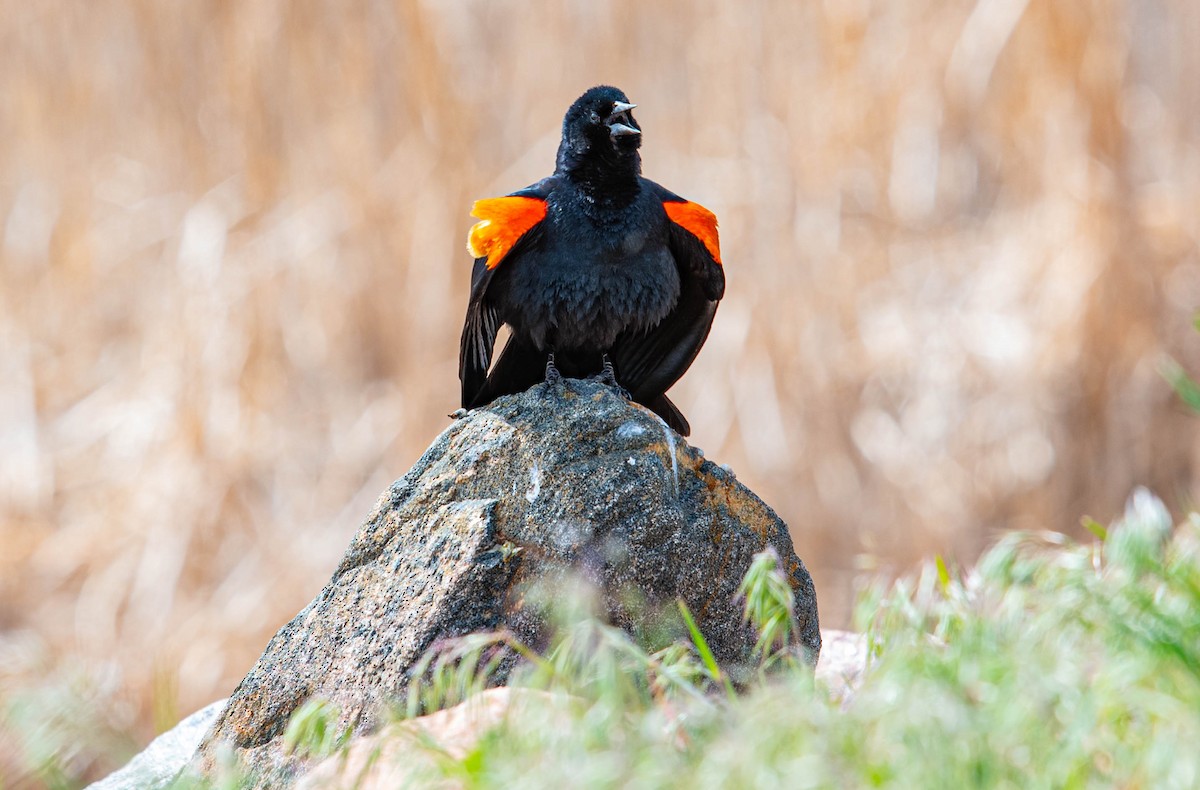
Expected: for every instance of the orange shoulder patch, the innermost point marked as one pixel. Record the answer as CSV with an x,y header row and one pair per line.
x,y
503,221
698,221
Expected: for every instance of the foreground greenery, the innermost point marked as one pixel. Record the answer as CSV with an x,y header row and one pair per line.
x,y
1051,664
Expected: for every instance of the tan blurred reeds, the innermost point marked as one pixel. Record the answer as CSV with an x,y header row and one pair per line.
x,y
960,238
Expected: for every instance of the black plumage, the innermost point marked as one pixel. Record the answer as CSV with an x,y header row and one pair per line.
x,y
594,264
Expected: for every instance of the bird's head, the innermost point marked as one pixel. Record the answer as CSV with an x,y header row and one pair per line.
x,y
600,128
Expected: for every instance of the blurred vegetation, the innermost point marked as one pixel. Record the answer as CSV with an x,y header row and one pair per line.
x,y
961,239
1052,664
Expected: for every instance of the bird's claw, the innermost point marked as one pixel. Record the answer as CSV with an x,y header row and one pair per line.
x,y
553,377
622,393
608,377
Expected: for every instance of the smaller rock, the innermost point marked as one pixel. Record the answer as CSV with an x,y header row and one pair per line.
x,y
158,763
843,662
405,753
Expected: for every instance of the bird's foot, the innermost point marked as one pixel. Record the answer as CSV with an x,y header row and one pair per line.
x,y
553,377
608,377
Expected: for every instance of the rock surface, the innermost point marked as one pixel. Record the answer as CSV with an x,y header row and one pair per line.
x,y
537,488
159,762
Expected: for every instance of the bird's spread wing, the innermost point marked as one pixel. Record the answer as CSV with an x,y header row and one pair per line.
x,y
649,363
503,223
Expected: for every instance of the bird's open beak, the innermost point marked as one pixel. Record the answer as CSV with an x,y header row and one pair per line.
x,y
618,123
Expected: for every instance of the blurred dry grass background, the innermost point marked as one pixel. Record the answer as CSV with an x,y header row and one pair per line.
x,y
960,238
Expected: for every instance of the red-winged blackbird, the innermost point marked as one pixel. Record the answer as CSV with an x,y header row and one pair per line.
x,y
596,270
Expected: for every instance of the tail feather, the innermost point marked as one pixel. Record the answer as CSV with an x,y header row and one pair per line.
x,y
519,367
663,407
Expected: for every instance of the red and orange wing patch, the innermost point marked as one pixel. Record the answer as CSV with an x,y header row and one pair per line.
x,y
503,221
698,221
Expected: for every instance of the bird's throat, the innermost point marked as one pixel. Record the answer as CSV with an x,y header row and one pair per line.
x,y
609,182
606,174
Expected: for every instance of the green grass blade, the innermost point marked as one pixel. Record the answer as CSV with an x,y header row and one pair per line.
x,y
706,654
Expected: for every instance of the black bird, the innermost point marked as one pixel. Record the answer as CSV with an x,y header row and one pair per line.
x,y
596,270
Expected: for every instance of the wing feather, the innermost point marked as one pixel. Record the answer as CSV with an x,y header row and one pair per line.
x,y
503,223
649,363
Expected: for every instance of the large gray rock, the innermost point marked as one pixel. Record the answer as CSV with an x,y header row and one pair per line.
x,y
537,488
